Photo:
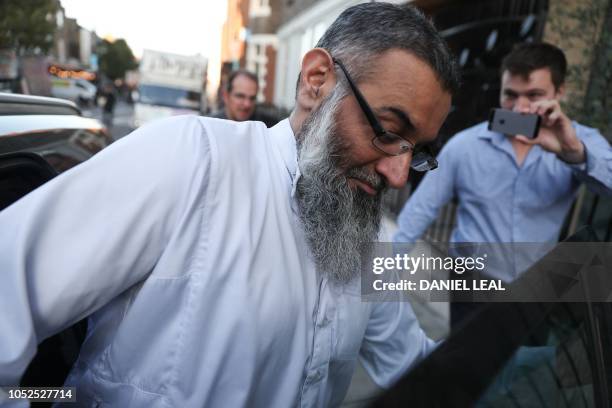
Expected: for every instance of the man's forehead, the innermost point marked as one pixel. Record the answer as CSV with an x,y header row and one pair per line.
x,y
421,124
244,83
406,87
540,76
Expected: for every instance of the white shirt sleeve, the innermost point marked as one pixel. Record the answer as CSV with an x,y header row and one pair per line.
x,y
81,239
393,343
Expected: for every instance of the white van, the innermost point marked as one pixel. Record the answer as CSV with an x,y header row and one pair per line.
x,y
170,84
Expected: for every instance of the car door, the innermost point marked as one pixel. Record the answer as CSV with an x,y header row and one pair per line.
x,y
21,173
530,354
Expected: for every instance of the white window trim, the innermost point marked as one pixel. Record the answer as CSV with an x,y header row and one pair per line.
x,y
260,60
260,8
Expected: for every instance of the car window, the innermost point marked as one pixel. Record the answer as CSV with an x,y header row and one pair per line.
x,y
62,148
524,354
560,364
21,173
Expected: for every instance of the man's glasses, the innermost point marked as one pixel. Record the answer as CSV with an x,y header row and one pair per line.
x,y
388,142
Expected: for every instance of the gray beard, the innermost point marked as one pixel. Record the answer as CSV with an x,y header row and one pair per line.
x,y
336,219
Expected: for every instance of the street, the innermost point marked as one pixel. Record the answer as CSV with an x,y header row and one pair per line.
x,y
122,118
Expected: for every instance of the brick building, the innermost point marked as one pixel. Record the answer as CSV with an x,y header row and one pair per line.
x,y
264,20
249,41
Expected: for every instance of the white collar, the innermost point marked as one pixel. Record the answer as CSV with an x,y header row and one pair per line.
x,y
284,138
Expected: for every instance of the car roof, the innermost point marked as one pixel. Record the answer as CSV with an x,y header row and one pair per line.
x,y
18,124
16,104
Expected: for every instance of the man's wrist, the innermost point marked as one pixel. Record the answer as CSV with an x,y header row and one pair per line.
x,y
573,153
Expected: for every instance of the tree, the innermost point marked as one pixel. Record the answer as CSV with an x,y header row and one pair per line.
x,y
585,28
598,99
116,57
27,25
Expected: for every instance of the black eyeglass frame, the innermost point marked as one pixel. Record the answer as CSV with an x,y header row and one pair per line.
x,y
422,157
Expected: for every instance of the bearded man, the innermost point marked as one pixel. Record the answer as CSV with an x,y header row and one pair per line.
x,y
217,259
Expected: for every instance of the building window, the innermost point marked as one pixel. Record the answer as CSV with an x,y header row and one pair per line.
x,y
59,18
257,64
257,59
260,8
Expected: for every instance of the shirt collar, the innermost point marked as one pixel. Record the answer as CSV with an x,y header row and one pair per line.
x,y
495,137
284,138
501,142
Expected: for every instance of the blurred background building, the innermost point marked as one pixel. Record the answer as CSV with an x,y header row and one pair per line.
x,y
52,40
233,41
302,24
250,41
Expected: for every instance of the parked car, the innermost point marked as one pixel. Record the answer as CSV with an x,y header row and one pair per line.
x,y
51,128
74,89
40,138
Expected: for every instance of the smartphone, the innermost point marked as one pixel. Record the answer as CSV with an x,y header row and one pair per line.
x,y
514,123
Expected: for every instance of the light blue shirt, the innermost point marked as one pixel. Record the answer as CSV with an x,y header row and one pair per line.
x,y
498,200
184,242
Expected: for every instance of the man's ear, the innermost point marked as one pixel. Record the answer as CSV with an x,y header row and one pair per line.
x,y
317,78
561,92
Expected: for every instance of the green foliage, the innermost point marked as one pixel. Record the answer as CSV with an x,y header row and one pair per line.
x,y
579,28
27,25
116,58
598,99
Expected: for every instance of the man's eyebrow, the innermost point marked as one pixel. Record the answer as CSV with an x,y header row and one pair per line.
x,y
509,91
400,114
535,90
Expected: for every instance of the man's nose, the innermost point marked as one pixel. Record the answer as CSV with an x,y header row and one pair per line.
x,y
395,169
522,105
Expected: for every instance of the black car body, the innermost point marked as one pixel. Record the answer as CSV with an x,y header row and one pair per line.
x,y
51,128
40,138
544,351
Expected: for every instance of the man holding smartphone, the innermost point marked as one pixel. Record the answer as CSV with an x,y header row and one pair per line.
x,y
511,188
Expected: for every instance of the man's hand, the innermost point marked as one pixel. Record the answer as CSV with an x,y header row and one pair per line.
x,y
557,135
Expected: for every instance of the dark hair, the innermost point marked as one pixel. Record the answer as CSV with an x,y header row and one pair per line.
x,y
364,31
236,74
526,58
